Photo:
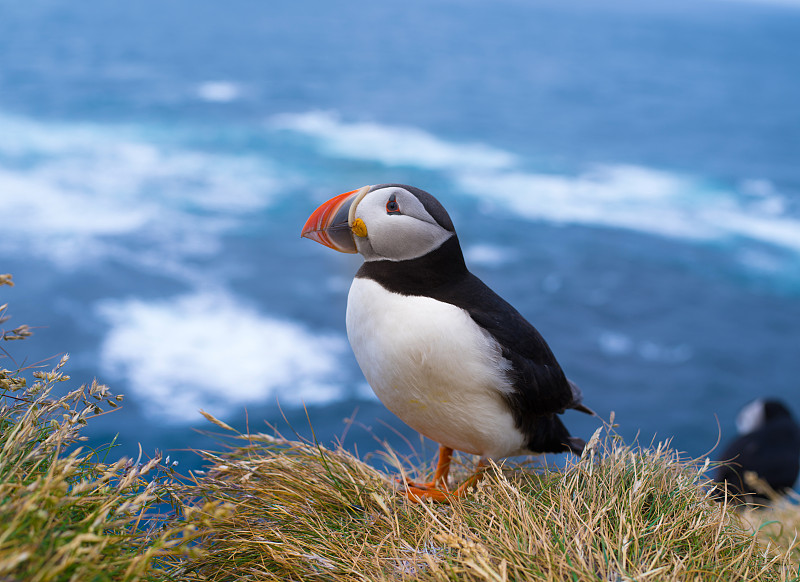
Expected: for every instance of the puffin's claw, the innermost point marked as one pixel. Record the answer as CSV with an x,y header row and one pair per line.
x,y
407,484
417,494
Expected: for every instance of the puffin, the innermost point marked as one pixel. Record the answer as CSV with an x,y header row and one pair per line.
x,y
439,348
768,445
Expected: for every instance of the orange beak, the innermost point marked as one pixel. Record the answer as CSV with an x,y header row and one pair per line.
x,y
330,225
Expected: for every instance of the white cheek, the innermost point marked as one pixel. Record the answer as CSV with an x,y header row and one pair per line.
x,y
402,237
397,237
751,417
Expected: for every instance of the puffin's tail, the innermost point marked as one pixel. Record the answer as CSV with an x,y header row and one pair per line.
x,y
576,445
577,400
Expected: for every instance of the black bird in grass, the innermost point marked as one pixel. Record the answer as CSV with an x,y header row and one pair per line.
x,y
768,445
440,349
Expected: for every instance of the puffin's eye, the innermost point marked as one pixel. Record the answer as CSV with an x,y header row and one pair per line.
x,y
392,207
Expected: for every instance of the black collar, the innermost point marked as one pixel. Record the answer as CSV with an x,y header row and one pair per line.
x,y
441,267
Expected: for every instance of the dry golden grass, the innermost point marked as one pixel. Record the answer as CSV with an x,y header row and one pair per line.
x,y
302,512
778,523
66,513
275,509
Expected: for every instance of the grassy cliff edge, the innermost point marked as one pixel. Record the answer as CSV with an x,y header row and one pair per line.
x,y
269,508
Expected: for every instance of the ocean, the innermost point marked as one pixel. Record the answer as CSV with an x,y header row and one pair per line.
x,y
626,174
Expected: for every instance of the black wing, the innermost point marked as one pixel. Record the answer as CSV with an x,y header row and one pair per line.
x,y
772,452
541,390
536,373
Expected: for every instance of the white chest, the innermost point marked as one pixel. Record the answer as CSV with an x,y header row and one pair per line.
x,y
431,365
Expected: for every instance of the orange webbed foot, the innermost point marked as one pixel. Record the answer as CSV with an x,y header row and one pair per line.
x,y
405,483
417,494
437,490
415,491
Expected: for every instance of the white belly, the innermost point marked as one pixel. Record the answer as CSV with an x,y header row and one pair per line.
x,y
434,367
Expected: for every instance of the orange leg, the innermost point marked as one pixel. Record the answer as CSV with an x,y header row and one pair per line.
x,y
442,471
418,491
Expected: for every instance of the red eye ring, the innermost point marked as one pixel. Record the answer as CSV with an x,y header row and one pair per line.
x,y
392,207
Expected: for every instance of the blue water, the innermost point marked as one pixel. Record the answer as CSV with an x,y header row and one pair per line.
x,y
627,176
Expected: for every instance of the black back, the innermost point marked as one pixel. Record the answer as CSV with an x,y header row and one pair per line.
x,y
771,451
540,387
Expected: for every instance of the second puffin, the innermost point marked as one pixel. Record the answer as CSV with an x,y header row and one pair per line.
x,y
440,349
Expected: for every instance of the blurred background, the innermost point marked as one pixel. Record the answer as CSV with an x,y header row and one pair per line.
x,y
626,174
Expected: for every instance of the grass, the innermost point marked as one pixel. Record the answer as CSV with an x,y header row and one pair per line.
x,y
301,512
67,512
777,524
269,508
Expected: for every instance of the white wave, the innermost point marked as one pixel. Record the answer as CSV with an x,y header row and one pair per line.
x,y
617,344
619,196
639,199
219,91
206,350
391,145
766,263
57,208
488,255
77,186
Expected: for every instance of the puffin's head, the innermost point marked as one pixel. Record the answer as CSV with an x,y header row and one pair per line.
x,y
388,221
754,415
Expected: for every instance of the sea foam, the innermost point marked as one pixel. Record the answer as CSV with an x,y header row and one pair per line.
x,y
639,199
487,255
219,91
208,350
77,187
390,145
616,344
